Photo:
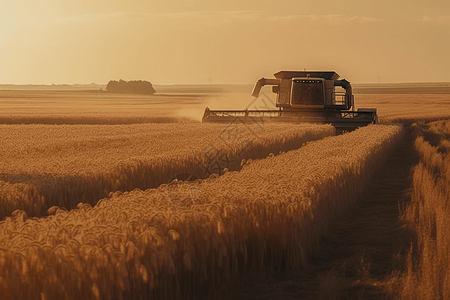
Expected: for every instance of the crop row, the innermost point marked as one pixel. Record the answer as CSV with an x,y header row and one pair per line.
x,y
48,165
428,217
189,240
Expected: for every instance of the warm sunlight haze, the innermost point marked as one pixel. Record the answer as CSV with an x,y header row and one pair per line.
x,y
203,41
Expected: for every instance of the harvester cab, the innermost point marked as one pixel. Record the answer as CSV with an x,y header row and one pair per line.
x,y
305,96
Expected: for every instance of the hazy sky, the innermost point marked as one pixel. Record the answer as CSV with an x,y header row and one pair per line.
x,y
198,41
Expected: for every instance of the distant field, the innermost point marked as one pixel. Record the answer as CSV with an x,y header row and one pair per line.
x,y
186,103
403,88
95,107
358,88
407,107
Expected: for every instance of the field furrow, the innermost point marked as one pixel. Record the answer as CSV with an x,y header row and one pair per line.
x,y
190,240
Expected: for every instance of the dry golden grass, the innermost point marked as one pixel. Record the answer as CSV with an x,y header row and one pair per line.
x,y
144,244
428,217
47,165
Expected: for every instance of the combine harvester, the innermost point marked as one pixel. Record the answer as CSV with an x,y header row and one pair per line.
x,y
304,96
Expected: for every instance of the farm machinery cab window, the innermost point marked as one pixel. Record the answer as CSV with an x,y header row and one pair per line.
x,y
307,92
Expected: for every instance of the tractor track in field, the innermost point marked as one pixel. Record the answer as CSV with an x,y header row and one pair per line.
x,y
359,256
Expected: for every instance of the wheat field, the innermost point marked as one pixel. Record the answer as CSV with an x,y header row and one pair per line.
x,y
91,210
407,108
157,245
428,217
47,165
95,107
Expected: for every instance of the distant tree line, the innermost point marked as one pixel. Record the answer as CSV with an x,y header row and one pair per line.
x,y
130,87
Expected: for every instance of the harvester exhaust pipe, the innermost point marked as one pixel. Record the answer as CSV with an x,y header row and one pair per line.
x,y
262,82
